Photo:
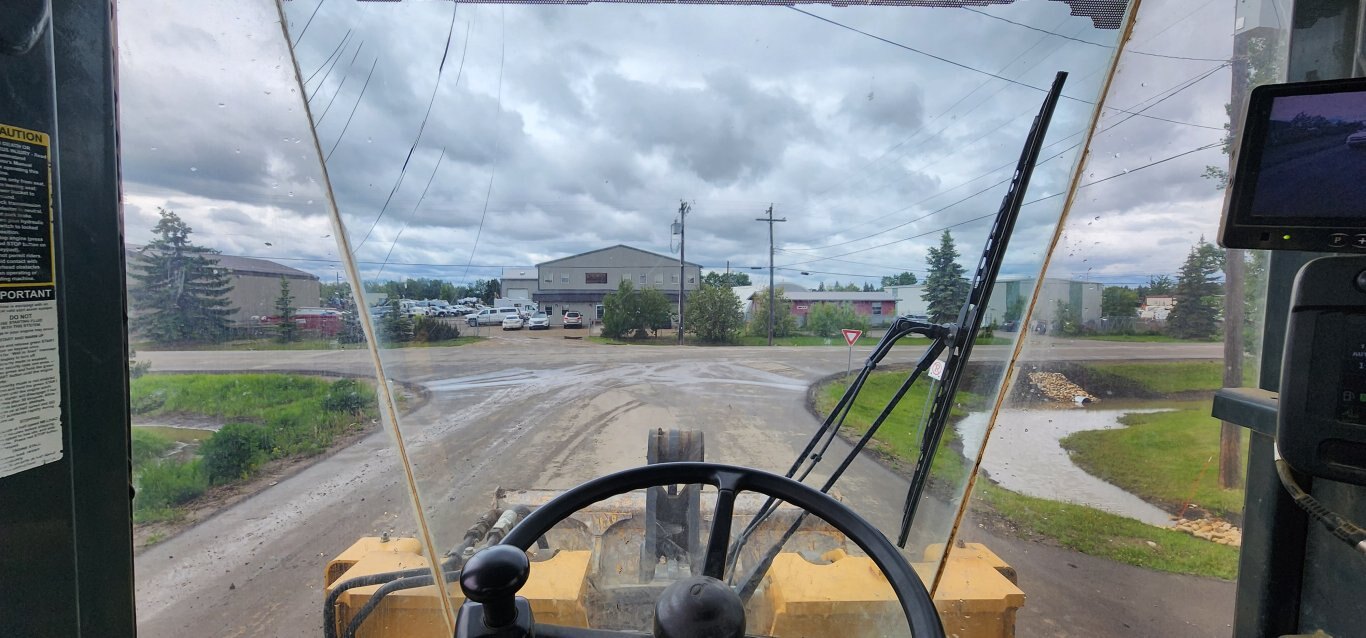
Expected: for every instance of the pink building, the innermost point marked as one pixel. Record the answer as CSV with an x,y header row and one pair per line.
x,y
877,307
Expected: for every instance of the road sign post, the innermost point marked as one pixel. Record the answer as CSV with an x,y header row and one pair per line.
x,y
850,336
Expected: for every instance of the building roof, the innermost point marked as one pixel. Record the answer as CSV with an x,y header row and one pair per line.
x,y
666,257
827,295
239,265
521,272
745,292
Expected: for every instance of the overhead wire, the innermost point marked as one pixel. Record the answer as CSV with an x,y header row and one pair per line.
x,y
992,214
356,105
984,72
416,206
345,37
422,127
295,43
493,170
1094,44
341,86
1170,92
863,172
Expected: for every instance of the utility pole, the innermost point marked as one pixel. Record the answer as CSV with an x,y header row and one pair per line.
x,y
772,294
682,265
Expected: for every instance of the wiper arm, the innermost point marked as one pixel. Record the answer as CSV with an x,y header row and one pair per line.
x,y
825,435
970,316
756,574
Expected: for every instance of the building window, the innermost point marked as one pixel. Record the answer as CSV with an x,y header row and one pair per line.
x,y
549,278
659,279
673,279
564,277
595,277
692,279
626,276
877,308
642,278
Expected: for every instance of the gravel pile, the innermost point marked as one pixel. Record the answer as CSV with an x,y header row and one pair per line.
x,y
1056,387
1211,529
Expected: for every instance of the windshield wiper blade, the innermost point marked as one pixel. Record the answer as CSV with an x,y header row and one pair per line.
x,y
970,316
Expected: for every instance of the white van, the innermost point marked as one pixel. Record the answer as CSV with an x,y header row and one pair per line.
x,y
491,316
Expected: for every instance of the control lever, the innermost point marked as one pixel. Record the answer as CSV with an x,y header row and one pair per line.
x,y
490,580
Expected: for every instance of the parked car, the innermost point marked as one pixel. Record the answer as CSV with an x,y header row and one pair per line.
x,y
1357,140
538,321
490,316
573,319
513,322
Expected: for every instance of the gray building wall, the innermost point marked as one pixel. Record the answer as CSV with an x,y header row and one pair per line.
x,y
579,282
518,283
254,295
1086,294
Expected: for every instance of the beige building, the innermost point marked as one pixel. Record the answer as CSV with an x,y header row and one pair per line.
x,y
255,286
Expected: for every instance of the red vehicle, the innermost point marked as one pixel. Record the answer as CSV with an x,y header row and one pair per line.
x,y
322,321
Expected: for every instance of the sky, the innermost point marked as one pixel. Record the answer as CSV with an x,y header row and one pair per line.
x,y
462,139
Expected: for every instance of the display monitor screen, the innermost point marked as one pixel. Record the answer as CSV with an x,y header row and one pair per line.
x,y
1300,178
1313,160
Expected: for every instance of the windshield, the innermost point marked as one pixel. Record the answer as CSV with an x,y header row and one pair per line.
x,y
719,210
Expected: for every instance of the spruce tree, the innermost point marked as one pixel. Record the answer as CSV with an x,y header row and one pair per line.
x,y
1195,314
284,310
946,289
179,292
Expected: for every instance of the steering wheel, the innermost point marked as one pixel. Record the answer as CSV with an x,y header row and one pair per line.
x,y
697,606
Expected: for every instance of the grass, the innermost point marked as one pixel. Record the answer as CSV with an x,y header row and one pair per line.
x,y
306,344
1170,377
1083,529
1163,457
298,415
899,435
750,340
1144,338
1123,540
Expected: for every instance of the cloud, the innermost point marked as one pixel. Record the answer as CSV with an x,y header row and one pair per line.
x,y
561,129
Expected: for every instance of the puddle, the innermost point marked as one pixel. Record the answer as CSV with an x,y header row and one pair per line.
x,y
1024,456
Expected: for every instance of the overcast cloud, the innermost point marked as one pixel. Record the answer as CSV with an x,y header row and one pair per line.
x,y
592,122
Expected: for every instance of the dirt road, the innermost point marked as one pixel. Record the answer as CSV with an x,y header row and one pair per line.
x,y
541,411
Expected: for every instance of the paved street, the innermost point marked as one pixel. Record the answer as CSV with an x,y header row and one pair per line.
x,y
538,410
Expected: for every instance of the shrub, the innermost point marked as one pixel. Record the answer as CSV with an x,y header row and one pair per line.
x,y
137,368
347,395
714,314
828,319
148,446
144,402
431,329
166,483
235,451
628,312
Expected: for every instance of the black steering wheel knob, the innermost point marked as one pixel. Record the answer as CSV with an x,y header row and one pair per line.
x,y
699,607
492,578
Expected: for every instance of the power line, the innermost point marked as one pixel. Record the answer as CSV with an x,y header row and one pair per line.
x,y
416,206
498,108
341,86
355,106
445,51
345,37
1170,92
307,24
863,172
1094,44
984,72
981,217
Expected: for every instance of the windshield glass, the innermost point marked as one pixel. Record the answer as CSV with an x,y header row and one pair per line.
x,y
717,211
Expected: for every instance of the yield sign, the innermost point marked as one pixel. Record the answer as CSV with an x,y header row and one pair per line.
x,y
850,336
